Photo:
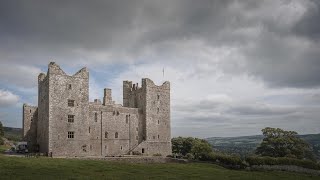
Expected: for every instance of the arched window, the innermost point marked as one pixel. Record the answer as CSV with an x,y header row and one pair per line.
x,y
116,135
106,135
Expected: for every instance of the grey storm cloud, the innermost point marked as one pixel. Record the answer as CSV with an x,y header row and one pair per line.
x,y
70,30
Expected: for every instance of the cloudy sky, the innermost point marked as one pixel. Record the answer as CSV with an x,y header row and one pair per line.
x,y
235,67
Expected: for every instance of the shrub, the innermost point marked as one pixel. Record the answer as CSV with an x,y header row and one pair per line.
x,y
136,153
255,160
188,156
228,160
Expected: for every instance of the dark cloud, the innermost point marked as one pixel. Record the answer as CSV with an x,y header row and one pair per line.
x,y
272,44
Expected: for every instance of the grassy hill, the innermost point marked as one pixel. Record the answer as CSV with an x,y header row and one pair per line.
x,y
48,168
13,134
245,145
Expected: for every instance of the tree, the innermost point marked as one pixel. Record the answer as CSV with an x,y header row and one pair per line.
x,y
200,148
1,129
197,147
1,133
280,143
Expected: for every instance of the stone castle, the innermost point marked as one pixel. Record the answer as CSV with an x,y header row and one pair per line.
x,y
65,123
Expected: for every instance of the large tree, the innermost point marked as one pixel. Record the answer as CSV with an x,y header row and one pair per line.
x,y
195,146
280,143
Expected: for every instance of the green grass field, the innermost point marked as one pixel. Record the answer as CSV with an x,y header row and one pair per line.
x,y
48,168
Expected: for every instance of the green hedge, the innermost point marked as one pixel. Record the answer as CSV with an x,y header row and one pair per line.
x,y
228,160
255,160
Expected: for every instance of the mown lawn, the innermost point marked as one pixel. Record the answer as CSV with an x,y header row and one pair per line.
x,y
48,168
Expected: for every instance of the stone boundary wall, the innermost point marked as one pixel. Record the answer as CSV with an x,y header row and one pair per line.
x,y
143,159
289,168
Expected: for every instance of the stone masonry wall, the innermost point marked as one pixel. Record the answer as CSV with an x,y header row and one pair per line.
x,y
43,113
99,129
29,128
63,88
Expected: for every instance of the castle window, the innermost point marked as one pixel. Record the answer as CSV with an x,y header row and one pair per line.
x,y
127,119
116,135
158,136
142,150
70,103
121,147
95,117
70,134
154,137
118,113
89,129
30,110
69,86
158,110
106,135
31,119
70,118
158,96
158,121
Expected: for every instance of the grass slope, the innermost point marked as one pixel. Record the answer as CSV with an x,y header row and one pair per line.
x,y
47,168
13,134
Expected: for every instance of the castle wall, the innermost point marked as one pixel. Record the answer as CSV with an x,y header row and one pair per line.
x,y
158,130
134,97
112,119
154,104
63,88
29,128
43,113
66,124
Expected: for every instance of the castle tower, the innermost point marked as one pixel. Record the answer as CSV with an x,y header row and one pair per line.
x,y
154,105
107,98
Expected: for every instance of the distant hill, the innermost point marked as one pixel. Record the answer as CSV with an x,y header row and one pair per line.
x,y
245,145
13,134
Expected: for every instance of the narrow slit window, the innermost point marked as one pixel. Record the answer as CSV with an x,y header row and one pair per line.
x,y
116,135
69,86
89,129
158,136
127,119
158,96
95,117
106,135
